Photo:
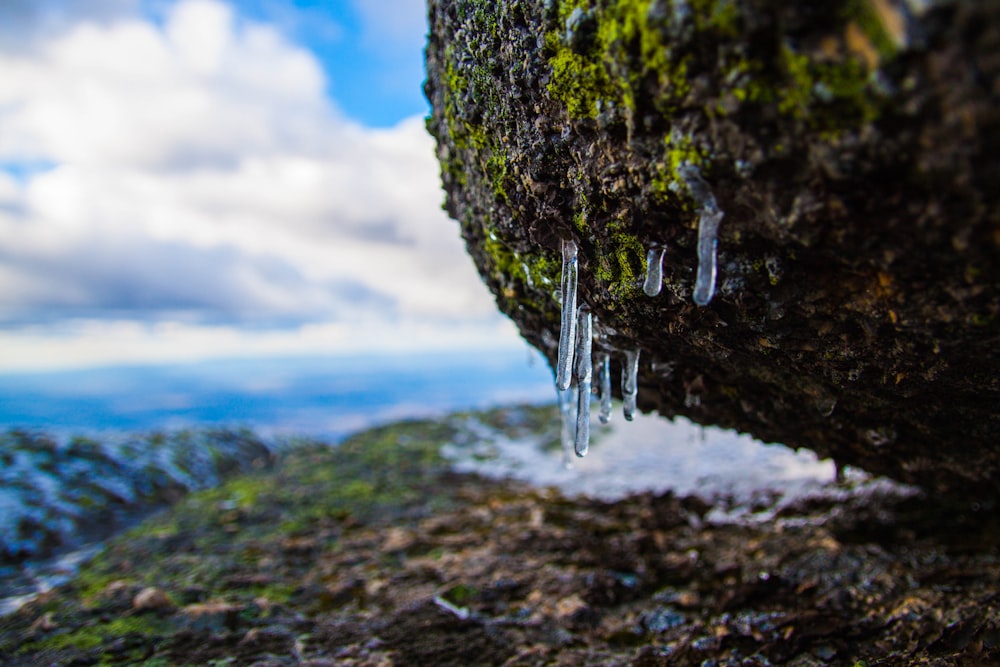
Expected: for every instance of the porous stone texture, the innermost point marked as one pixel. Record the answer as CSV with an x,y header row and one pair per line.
x,y
852,146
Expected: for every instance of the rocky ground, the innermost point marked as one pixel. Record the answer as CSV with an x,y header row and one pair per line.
x,y
56,494
375,553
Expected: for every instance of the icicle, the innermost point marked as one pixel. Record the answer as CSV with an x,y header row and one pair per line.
x,y
527,275
567,330
584,377
708,230
654,271
604,381
567,434
630,383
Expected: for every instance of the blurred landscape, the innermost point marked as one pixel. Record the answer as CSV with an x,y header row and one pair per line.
x,y
324,397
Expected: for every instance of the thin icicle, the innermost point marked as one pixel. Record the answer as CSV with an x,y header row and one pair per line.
x,y
630,383
709,218
604,381
567,328
567,415
654,271
584,377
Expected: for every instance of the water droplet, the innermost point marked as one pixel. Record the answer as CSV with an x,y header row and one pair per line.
x,y
630,383
654,271
584,377
567,329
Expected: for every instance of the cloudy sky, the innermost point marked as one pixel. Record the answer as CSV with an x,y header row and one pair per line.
x,y
194,178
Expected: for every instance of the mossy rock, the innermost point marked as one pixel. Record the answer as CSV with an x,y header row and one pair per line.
x,y
852,146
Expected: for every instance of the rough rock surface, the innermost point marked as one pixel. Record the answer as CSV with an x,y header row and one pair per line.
x,y
852,146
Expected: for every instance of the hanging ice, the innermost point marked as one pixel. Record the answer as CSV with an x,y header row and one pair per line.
x,y
630,383
527,275
567,434
654,271
567,329
584,376
708,230
604,381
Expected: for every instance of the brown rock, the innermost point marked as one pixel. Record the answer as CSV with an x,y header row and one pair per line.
x,y
854,150
152,599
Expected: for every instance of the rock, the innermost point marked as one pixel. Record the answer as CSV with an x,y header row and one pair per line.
x,y
852,148
214,616
45,623
152,599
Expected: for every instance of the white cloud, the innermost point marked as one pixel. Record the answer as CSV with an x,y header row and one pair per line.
x,y
83,343
202,174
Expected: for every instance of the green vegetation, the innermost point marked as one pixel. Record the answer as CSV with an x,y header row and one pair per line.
x,y
623,266
219,545
212,542
626,50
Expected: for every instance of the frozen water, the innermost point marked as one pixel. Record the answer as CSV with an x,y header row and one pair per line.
x,y
567,419
630,383
584,377
654,271
709,217
604,381
567,328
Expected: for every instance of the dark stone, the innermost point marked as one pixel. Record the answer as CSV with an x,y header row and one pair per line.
x,y
852,146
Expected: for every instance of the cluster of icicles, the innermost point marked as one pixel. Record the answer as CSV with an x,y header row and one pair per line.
x,y
576,359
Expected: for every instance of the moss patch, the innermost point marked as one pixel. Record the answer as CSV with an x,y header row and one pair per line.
x,y
626,51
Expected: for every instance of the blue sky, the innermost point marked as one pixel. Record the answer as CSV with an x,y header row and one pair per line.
x,y
186,179
372,52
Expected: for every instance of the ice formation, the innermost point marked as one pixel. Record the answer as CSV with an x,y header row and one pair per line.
x,y
584,377
567,329
604,382
630,383
709,217
654,271
567,434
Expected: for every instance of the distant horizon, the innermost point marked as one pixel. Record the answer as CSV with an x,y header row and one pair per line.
x,y
309,395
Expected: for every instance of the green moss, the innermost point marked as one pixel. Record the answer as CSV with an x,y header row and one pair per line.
x,y
94,635
244,491
497,170
460,594
720,16
796,97
666,181
867,17
622,265
829,96
358,489
276,593
580,82
626,53
528,276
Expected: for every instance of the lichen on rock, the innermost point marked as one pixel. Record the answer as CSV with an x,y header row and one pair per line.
x,y
852,146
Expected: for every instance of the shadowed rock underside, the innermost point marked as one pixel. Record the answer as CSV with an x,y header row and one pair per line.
x,y
852,147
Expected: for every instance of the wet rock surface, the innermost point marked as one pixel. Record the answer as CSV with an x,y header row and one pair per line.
x,y
852,149
375,553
